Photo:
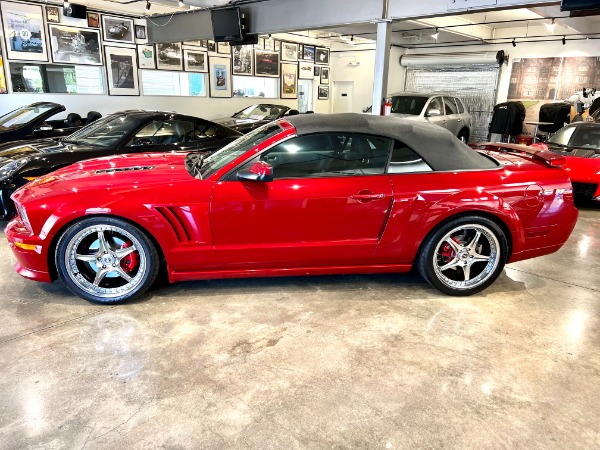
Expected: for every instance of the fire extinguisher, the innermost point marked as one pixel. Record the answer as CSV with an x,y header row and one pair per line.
x,y
387,107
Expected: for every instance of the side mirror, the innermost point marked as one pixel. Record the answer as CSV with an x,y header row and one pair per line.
x,y
259,171
142,142
433,112
43,129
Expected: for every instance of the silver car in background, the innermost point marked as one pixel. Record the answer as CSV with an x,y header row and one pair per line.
x,y
443,110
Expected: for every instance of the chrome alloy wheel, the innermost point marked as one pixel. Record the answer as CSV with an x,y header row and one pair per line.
x,y
466,256
105,260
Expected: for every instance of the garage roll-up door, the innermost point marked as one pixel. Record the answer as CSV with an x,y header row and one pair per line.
x,y
471,76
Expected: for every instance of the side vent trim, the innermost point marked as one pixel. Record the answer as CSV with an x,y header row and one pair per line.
x,y
178,227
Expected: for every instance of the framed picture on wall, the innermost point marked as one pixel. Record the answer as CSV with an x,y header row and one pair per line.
x,y
140,32
242,60
220,76
24,31
118,29
195,61
324,75
289,80
308,52
306,70
169,57
73,45
277,46
224,48
212,46
93,20
122,70
322,56
270,44
289,51
52,14
317,71
146,58
266,63
3,88
323,92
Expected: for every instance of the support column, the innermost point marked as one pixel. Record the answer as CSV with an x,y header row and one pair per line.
x,y
382,65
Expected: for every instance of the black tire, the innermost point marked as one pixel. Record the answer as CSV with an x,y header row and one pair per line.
x,y
101,276
464,135
444,246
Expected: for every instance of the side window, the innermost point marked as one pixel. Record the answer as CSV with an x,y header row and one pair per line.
x,y
204,130
436,103
332,154
450,106
165,132
405,160
459,104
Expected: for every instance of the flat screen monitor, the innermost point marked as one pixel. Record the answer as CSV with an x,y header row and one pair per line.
x,y
75,11
227,24
579,5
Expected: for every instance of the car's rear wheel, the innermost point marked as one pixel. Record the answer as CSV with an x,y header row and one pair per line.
x,y
464,135
464,256
106,260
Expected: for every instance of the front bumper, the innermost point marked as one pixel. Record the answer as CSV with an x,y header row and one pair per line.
x,y
586,191
32,261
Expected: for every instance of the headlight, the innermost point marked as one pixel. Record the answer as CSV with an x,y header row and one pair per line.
x,y
10,168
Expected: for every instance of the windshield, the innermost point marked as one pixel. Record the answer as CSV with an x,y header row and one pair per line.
x,y
261,112
584,136
237,148
408,104
22,116
106,132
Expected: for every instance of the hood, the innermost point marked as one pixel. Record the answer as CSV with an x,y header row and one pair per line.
x,y
406,116
121,172
20,149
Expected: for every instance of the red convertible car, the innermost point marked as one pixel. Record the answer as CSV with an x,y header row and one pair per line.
x,y
308,195
579,143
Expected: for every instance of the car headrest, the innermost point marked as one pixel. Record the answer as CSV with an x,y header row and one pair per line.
x,y
73,119
92,116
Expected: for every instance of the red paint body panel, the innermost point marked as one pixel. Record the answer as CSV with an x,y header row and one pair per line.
x,y
584,170
360,224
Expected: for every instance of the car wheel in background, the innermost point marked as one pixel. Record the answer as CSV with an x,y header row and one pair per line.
x,y
463,256
106,260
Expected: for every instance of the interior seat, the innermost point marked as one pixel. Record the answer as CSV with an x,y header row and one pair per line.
x,y
92,116
73,120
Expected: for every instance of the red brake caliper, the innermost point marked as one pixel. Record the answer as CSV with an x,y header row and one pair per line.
x,y
131,261
448,253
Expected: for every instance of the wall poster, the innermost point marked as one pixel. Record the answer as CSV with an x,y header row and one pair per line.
x,y
220,76
24,31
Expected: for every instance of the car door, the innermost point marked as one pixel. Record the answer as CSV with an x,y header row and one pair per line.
x,y
453,118
327,205
434,106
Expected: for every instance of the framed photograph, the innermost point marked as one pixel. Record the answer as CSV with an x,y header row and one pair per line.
x,y
270,44
323,93
220,76
224,48
261,43
317,71
277,45
306,70
289,80
140,32
308,52
324,75
322,56
3,88
243,59
73,45
118,29
145,55
195,61
52,14
168,56
121,66
93,20
24,31
193,43
289,51
212,46
266,63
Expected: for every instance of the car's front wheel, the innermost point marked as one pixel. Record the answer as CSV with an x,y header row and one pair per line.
x,y
106,260
464,256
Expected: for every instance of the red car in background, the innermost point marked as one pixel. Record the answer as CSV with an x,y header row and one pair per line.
x,y
308,195
579,143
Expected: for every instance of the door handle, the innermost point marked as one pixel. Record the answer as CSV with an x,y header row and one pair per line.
x,y
367,197
460,120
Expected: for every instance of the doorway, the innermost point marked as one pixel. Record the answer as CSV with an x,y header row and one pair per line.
x,y
305,95
343,96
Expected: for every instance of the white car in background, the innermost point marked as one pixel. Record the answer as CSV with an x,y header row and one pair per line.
x,y
444,110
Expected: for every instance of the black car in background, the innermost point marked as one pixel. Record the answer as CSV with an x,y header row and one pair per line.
x,y
33,122
255,116
124,132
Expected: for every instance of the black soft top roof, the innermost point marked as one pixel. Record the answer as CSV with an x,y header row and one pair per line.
x,y
436,145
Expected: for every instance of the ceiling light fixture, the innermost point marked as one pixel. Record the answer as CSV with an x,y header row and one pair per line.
x,y
564,40
148,6
514,43
436,34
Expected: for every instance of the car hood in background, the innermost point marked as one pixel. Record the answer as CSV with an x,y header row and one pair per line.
x,y
20,149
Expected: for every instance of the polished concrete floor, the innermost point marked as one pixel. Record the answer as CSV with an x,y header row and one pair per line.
x,y
326,362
